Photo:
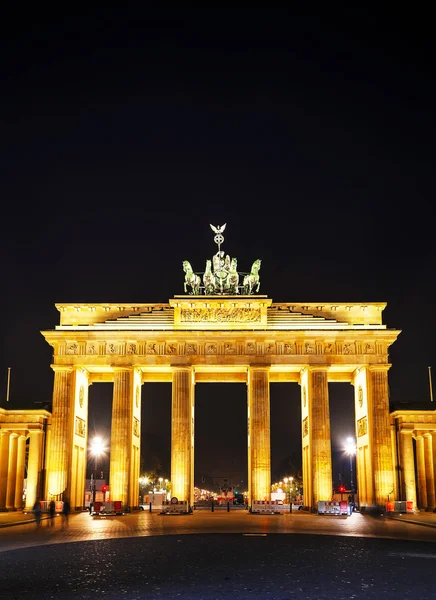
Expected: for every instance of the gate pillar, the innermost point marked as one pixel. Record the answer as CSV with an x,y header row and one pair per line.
x,y
182,435
317,458
259,434
408,482
125,436
59,450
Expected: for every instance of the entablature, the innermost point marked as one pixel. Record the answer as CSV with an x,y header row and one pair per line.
x,y
221,313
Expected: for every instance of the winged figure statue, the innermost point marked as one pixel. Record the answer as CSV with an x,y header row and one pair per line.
x,y
218,228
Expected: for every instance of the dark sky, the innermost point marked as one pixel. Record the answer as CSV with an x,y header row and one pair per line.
x,y
126,132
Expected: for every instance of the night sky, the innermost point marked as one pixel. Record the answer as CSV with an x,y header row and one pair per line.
x,y
125,133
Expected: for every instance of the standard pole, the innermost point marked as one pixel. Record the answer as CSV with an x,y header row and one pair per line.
x,y
351,473
9,384
430,384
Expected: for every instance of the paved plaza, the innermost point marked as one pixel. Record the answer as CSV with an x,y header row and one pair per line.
x,y
18,530
213,556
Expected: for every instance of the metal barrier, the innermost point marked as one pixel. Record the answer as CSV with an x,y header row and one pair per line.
x,y
106,508
334,507
265,506
400,506
176,508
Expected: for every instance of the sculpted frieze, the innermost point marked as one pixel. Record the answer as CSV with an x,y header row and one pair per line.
x,y
290,348
270,347
362,426
135,427
220,315
305,426
349,348
72,348
80,427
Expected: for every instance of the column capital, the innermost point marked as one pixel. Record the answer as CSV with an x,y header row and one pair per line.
x,y
181,368
62,368
373,368
407,430
313,368
117,369
259,368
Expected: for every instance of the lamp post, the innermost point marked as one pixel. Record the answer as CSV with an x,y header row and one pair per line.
x,y
97,449
350,449
143,482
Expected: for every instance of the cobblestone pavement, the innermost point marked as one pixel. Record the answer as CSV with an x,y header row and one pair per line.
x,y
217,556
18,530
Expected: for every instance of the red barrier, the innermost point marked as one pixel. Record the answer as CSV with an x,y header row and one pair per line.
x,y
117,506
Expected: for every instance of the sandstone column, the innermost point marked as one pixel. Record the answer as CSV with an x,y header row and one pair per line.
x,y
4,464
382,464
259,434
21,457
34,466
136,439
420,460
182,434
408,466
319,428
61,435
121,436
429,470
12,472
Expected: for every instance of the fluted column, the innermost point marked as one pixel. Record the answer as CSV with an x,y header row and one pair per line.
x,y
429,470
34,466
121,435
4,465
320,436
408,466
59,451
21,461
12,472
182,434
382,463
420,461
259,434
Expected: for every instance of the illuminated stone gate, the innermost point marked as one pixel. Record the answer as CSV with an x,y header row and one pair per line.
x,y
238,338
219,331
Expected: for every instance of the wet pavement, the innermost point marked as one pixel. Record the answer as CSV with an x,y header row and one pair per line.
x,y
218,555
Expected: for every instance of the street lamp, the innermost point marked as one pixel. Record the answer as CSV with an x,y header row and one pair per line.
x,y
97,449
350,449
142,482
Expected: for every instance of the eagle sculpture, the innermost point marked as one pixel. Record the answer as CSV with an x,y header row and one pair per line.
x,y
218,228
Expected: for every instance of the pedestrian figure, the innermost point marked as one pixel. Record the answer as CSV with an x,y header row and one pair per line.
x,y
37,510
65,512
52,512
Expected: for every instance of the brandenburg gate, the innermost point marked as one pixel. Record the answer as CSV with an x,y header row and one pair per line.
x,y
220,332
223,330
